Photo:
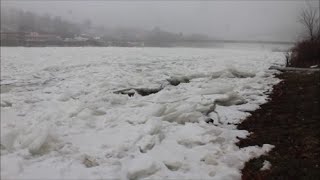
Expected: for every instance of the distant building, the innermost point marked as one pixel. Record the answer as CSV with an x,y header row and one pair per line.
x,y
12,38
35,37
46,39
80,38
68,40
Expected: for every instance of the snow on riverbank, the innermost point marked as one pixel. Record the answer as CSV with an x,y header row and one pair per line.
x,y
60,117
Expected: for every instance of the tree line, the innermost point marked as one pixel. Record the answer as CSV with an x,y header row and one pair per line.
x,y
14,20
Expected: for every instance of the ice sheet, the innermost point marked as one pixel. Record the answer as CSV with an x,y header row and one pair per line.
x,y
60,117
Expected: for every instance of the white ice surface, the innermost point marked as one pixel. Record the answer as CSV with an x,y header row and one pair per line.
x,y
61,120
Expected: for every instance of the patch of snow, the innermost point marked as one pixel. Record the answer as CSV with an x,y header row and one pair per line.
x,y
266,165
141,167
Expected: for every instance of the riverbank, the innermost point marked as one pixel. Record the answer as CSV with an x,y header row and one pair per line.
x,y
291,122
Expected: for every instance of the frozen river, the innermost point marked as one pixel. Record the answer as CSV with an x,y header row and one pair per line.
x,y
61,117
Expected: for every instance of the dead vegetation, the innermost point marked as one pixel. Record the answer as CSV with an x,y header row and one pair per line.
x,y
291,122
306,52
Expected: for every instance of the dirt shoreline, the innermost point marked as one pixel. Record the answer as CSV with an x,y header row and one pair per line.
x,y
291,122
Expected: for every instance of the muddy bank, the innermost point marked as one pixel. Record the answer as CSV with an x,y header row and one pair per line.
x,y
291,122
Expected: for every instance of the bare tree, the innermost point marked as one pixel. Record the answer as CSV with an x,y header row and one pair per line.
x,y
309,19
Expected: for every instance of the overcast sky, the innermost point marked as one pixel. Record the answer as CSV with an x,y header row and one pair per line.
x,y
258,20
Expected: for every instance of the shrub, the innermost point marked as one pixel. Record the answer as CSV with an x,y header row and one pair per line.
x,y
305,54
